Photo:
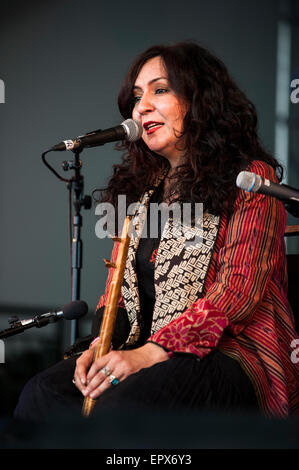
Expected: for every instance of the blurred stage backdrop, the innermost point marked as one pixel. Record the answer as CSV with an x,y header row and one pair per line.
x,y
62,63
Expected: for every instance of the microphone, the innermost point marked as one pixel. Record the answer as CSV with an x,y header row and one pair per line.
x,y
130,130
70,311
257,184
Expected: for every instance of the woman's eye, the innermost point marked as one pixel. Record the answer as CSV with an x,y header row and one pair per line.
x,y
158,91
161,90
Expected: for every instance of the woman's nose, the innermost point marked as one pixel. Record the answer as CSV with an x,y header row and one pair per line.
x,y
145,104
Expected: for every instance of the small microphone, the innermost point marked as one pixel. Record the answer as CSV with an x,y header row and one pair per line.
x,y
70,311
130,130
257,184
74,310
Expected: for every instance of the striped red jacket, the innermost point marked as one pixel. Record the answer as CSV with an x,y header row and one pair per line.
x,y
244,311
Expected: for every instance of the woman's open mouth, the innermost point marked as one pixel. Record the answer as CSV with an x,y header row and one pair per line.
x,y
152,126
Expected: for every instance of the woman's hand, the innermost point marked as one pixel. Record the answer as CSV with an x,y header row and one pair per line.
x,y
92,381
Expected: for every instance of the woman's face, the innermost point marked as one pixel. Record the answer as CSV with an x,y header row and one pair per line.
x,y
160,111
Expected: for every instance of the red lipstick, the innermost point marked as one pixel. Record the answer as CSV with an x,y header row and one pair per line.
x,y
152,126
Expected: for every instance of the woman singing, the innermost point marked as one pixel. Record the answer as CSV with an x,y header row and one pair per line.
x,y
203,325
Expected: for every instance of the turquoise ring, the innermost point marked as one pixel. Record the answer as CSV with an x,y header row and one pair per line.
x,y
113,380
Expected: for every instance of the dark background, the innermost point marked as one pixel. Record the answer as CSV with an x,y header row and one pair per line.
x,y
62,63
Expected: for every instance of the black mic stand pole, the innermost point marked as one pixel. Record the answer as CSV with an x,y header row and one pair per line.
x,y
77,183
76,243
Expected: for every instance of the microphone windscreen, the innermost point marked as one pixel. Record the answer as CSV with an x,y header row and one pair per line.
x,y
248,181
75,309
133,128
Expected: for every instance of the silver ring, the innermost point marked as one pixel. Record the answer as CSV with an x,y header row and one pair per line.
x,y
113,380
74,381
106,371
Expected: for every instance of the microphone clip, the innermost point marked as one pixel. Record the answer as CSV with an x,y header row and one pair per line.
x,y
71,165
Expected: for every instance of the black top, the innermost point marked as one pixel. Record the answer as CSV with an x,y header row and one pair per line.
x,y
145,266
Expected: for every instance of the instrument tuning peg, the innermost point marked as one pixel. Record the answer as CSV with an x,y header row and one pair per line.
x,y
116,239
108,263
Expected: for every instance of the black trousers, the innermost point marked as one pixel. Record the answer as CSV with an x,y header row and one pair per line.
x,y
184,382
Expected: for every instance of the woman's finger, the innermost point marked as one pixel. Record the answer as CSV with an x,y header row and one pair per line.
x,y
109,360
82,367
97,391
104,378
98,386
96,382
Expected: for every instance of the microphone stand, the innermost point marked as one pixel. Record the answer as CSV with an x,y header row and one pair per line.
x,y
76,244
76,183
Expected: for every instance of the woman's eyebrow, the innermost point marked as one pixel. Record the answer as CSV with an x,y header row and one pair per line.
x,y
150,82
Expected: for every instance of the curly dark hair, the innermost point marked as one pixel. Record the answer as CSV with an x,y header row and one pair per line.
x,y
219,129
